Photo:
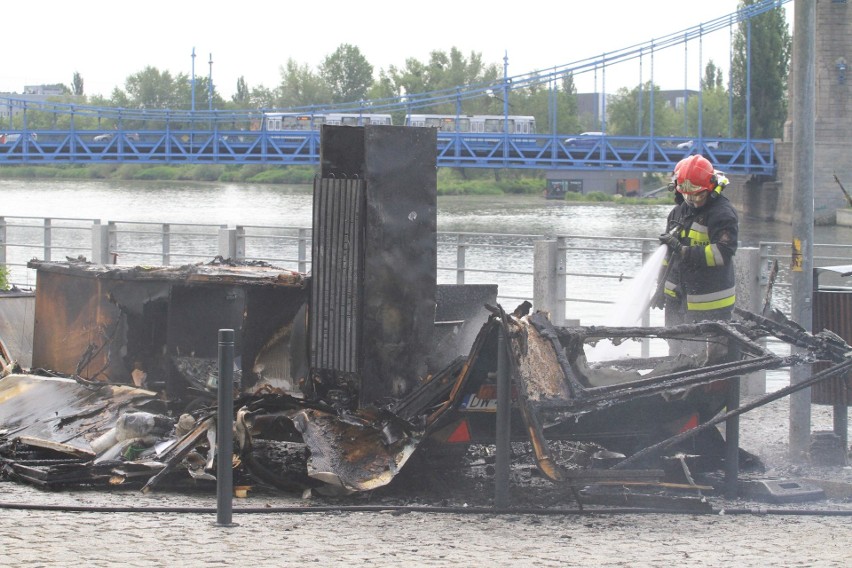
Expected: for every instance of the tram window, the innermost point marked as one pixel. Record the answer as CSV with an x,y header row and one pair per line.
x,y
448,125
493,125
464,125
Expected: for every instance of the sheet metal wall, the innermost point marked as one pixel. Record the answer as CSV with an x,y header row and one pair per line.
x,y
336,286
398,272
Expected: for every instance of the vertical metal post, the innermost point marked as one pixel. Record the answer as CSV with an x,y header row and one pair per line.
x,y
460,253
167,244
210,86
732,440
561,285
225,430
801,273
303,250
841,422
193,80
503,418
2,240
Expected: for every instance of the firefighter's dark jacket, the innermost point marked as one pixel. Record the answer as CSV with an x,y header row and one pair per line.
x,y
703,275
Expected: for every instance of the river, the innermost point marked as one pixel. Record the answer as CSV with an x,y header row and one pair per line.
x,y
290,205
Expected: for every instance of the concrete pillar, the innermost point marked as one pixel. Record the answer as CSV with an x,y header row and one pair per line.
x,y
546,281
750,297
228,243
100,244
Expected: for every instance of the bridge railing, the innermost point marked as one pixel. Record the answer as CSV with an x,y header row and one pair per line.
x,y
218,145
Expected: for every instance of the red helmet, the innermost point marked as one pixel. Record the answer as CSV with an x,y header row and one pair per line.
x,y
695,174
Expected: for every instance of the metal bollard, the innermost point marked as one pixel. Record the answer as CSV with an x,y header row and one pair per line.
x,y
503,418
225,430
732,440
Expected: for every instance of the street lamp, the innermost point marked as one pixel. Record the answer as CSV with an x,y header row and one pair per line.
x,y
210,85
193,80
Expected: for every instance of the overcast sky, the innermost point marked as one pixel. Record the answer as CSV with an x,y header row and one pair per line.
x,y
107,40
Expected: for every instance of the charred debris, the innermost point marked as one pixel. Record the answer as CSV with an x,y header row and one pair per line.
x,y
347,374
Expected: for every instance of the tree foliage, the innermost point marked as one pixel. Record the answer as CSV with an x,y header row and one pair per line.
x,y
447,71
347,74
242,96
771,50
301,87
629,113
77,84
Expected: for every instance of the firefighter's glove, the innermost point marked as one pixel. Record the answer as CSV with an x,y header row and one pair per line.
x,y
672,242
658,301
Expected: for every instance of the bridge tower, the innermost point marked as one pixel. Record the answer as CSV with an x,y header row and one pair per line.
x,y
833,128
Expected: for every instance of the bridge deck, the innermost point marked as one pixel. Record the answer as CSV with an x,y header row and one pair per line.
x,y
658,154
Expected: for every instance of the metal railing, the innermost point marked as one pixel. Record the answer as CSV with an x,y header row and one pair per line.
x,y
591,271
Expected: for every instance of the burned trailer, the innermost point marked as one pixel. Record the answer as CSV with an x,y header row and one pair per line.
x,y
624,405
155,327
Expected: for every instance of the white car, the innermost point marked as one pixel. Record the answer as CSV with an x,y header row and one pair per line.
x,y
713,144
585,139
108,136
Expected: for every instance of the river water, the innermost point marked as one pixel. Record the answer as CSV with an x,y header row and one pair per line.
x,y
290,205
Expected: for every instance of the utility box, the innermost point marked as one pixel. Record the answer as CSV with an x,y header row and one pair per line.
x,y
374,263
832,310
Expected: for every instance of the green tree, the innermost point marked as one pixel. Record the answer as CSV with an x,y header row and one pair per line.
x,y
540,99
77,84
714,105
625,118
261,97
712,77
301,87
771,50
347,74
447,71
153,89
242,97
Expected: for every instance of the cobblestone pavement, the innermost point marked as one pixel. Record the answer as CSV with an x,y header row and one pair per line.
x,y
58,538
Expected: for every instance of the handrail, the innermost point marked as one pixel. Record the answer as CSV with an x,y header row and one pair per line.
x,y
463,257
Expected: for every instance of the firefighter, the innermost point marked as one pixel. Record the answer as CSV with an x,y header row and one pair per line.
x,y
701,235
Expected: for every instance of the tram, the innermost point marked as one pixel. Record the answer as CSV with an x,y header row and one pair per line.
x,y
277,121
475,123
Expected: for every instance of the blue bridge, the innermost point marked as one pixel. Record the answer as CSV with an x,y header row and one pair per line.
x,y
44,132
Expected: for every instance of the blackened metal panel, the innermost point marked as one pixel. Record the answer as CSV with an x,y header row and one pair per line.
x,y
78,328
195,315
342,151
400,260
336,278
